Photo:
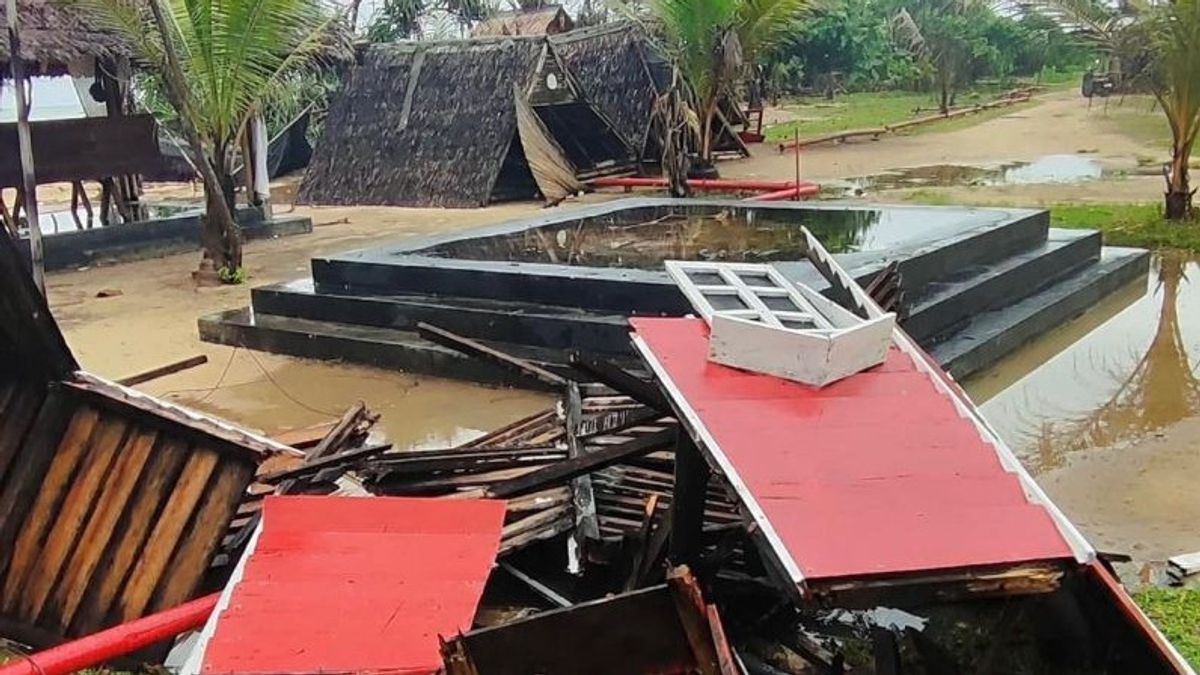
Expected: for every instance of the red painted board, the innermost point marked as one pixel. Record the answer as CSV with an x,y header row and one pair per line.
x,y
875,474
356,585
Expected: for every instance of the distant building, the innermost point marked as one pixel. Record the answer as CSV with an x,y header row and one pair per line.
x,y
547,20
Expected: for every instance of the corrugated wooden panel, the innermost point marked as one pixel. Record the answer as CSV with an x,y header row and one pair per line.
x,y
129,536
64,534
71,449
20,487
110,504
199,543
104,516
148,569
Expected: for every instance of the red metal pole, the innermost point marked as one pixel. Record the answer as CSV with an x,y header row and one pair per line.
x,y
715,184
111,643
777,196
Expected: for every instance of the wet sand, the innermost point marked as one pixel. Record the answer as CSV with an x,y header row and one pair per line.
x,y
153,321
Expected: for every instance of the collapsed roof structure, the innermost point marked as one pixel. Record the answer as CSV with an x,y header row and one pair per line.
x,y
462,124
113,504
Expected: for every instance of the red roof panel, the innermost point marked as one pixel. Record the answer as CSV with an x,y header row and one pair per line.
x,y
875,474
356,585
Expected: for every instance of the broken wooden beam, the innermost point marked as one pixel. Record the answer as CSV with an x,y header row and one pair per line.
x,y
163,370
687,502
608,373
592,460
479,350
583,500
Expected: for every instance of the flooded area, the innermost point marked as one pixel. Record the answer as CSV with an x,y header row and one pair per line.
x,y
1106,413
275,394
1052,169
735,235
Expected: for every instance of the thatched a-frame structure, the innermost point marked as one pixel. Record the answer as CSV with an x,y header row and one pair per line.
x,y
610,64
436,124
545,20
57,38
621,73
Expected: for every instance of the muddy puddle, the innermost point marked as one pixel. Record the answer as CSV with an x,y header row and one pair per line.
x,y
275,394
1105,411
1048,169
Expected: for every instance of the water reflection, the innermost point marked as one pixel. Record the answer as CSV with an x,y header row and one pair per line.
x,y
642,238
644,242
1129,379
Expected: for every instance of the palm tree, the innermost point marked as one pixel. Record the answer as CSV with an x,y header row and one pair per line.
x,y
219,61
938,34
1157,47
711,41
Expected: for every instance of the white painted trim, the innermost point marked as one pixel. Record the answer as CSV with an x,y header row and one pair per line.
x,y
195,660
751,296
714,450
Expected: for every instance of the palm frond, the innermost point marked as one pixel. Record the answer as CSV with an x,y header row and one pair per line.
x,y
763,24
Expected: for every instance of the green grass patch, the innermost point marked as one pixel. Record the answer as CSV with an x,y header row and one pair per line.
x,y
1176,611
869,110
849,111
1140,225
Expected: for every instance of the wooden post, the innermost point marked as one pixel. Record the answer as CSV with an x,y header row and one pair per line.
x,y
28,180
124,190
687,501
587,526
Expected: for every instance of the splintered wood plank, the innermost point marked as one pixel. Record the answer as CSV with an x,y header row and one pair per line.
x,y
100,526
165,535
129,536
22,484
15,422
196,549
67,457
64,535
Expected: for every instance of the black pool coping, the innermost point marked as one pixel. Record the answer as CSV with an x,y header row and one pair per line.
x,y
150,238
407,268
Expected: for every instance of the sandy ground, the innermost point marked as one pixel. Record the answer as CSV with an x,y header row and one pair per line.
x,y
1061,123
1135,498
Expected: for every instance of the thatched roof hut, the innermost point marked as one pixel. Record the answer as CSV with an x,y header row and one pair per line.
x,y
441,124
57,37
610,64
546,20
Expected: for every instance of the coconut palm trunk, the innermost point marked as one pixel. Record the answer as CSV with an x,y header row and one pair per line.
x,y
1179,193
219,61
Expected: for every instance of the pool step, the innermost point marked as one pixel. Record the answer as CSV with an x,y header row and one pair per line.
x,y
386,348
533,324
992,335
948,303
